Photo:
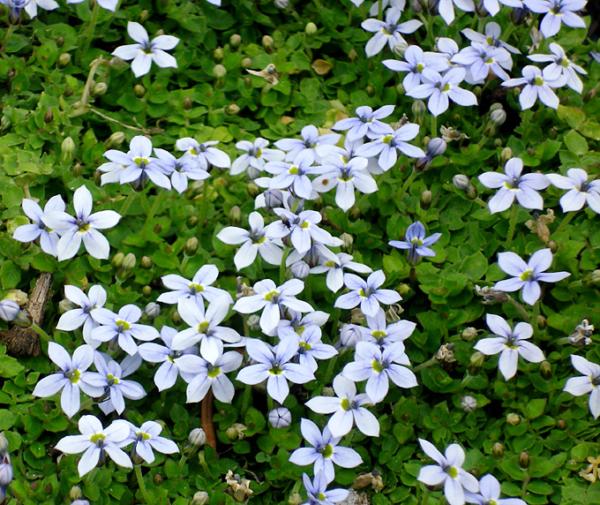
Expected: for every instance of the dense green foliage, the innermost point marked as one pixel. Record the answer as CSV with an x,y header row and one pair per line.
x,y
322,77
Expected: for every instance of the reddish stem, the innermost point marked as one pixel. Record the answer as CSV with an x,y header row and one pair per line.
x,y
206,419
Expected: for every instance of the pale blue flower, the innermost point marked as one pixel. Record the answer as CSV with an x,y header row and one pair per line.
x,y
9,310
526,276
203,375
146,51
273,365
416,62
256,154
557,12
204,154
38,229
179,169
204,327
510,344
417,244
122,327
367,293
312,144
293,175
388,32
446,8
72,378
83,226
489,493
317,491
325,451
95,441
311,348
167,373
481,59
378,367
383,334
589,382
367,123
537,85
200,287
335,265
146,439
297,323
388,145
560,67
116,387
76,318
303,229
491,37
580,190
448,471
257,240
440,89
347,408
511,184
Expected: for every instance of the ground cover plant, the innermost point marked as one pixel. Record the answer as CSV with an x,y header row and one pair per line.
x,y
299,252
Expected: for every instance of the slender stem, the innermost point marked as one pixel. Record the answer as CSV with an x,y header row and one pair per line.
x,y
434,128
535,317
512,224
379,9
142,484
206,419
82,107
426,364
154,208
181,463
89,36
565,221
127,203
41,333
282,265
146,131
7,34
520,309
410,179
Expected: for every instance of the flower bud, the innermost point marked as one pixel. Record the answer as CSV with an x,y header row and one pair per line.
x,y
468,403
200,498
99,89
267,42
280,417
115,140
310,28
65,305
17,296
561,424
49,116
246,62
191,246
436,147
350,335
235,214
235,40
506,154
158,478
117,260
498,117
347,241
6,470
273,198
477,359
469,333
64,59
175,317
75,493
219,71
233,109
513,419
300,270
146,262
524,459
546,369
370,89
197,437
295,499
139,90
152,310
254,322
147,290
461,182
144,15
418,108
328,391
129,262
3,443
498,449
218,53
426,197
67,148
22,319
236,431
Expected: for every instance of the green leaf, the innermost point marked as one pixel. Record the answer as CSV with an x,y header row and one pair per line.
x,y
535,408
576,143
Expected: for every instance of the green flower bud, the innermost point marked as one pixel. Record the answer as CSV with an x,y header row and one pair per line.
x,y
236,431
498,450
146,262
64,59
310,28
418,108
200,498
116,139
18,296
506,154
175,317
347,241
267,42
235,214
513,419
99,89
524,459
232,109
67,148
147,290
469,333
546,369
246,62
65,305
191,246
477,359
49,116
129,262
75,493
187,103
235,40
426,197
218,54
139,90
219,71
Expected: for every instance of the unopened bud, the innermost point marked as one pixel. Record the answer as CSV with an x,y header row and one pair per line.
x,y
300,270
295,498
197,437
48,116
191,246
461,182
64,59
347,241
99,89
116,139
147,290
524,459
498,116
236,431
200,498
469,333
235,214
476,360
65,305
235,40
310,28
506,154
188,103
175,317
129,262
152,310
513,419
542,321
436,147
426,197
218,53
352,54
67,148
350,334
273,198
219,71
246,62
498,449
60,40
418,108
75,493
370,89
3,443
117,260
146,262
328,391
546,369
468,403
139,90
233,109
561,424
6,470
280,417
267,42
254,322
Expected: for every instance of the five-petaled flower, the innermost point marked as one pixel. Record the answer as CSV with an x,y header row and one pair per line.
x,y
580,190
146,439
38,229
588,383
367,293
416,242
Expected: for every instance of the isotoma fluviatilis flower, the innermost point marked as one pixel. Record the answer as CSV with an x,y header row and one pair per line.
x,y
416,242
588,383
580,190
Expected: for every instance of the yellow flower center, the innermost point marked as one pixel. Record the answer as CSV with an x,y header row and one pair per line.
x,y
377,366
97,437
214,372
122,325
526,275
198,288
